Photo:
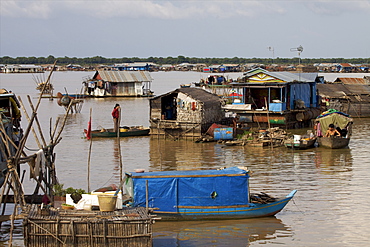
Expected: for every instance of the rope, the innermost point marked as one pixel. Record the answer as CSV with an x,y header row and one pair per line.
x,y
297,206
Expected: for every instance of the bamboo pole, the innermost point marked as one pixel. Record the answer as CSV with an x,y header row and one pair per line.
x,y
89,158
37,121
268,123
28,118
64,122
22,142
119,149
52,132
2,129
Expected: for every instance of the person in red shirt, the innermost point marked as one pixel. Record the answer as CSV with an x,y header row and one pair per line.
x,y
115,115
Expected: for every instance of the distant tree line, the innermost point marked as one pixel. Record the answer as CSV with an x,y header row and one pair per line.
x,y
93,61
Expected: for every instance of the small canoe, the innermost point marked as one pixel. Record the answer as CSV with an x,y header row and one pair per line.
x,y
333,142
300,144
77,96
124,132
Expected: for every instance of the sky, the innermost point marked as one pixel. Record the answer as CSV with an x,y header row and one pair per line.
x,y
190,28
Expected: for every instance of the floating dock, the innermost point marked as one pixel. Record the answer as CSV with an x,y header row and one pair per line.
x,y
54,227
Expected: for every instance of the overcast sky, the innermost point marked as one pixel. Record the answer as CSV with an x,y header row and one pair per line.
x,y
208,28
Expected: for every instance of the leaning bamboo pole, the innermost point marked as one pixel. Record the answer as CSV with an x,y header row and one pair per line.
x,y
28,118
37,121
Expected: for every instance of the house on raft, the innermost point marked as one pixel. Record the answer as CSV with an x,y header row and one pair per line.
x,y
263,98
184,113
106,83
348,95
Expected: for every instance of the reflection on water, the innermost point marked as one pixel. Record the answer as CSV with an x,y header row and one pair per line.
x,y
333,160
219,233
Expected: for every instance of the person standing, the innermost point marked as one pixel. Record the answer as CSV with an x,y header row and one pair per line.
x,y
115,115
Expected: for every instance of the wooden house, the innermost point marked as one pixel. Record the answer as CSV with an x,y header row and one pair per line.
x,y
184,112
106,83
275,98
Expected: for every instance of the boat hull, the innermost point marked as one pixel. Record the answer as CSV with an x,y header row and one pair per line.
x,y
252,210
302,144
333,142
109,133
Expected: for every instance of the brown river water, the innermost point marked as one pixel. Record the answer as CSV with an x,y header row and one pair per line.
x,y
331,207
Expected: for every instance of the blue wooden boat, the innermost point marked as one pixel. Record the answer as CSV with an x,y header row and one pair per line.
x,y
201,194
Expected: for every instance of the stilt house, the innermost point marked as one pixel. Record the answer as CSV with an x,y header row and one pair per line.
x,y
184,112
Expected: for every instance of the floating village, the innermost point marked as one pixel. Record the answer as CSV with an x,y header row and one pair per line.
x,y
257,109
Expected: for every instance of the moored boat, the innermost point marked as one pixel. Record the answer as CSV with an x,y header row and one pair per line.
x,y
201,194
333,142
124,132
301,142
343,123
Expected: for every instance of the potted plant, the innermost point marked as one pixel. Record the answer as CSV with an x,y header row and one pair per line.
x,y
76,194
59,195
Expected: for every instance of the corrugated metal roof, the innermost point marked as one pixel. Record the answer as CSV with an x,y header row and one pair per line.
x,y
355,93
351,80
359,89
124,76
285,76
290,77
333,90
198,94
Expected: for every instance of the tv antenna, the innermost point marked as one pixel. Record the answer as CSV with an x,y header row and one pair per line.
x,y
272,50
299,49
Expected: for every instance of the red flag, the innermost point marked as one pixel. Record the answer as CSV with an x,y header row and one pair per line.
x,y
88,133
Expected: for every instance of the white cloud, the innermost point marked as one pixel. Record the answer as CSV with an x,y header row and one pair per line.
x,y
169,10
25,9
175,9
338,7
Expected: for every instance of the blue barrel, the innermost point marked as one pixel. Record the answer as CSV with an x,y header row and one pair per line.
x,y
223,134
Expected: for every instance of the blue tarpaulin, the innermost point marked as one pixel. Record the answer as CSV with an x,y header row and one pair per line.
x,y
170,189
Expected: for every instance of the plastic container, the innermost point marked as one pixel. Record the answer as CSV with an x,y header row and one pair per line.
x,y
223,134
107,203
296,138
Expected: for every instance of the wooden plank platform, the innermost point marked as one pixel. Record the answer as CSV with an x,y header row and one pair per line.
x,y
126,227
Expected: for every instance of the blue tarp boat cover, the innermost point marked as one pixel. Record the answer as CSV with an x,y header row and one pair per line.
x,y
169,189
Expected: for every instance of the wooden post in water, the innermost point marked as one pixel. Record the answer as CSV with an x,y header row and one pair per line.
x,y
268,122
89,158
119,150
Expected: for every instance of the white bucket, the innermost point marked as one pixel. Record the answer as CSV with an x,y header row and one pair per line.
x,y
296,138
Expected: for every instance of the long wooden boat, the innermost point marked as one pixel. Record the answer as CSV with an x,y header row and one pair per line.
x,y
201,194
303,143
333,142
124,132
